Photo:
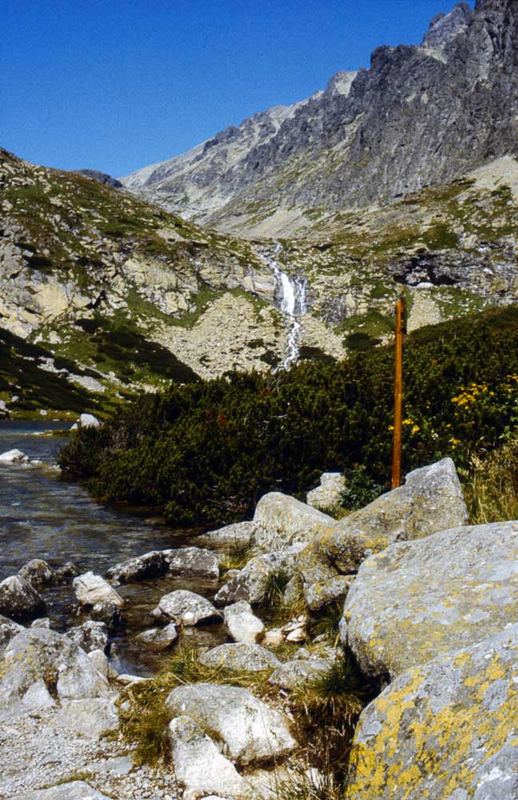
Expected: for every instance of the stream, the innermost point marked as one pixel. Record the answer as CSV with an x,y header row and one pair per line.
x,y
43,516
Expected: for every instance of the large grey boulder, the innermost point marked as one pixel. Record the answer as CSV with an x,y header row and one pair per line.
x,y
282,521
139,568
75,790
253,581
327,497
419,599
199,767
241,622
96,595
250,730
237,536
40,668
445,730
240,657
192,562
19,600
90,717
186,608
431,500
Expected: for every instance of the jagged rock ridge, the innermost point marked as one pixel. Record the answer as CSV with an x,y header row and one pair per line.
x,y
421,115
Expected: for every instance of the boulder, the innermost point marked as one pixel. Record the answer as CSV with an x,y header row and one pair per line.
x,y
327,496
419,599
37,572
8,630
90,717
299,672
241,622
253,581
100,661
75,790
199,767
445,730
14,457
67,571
238,536
431,500
282,521
96,595
192,562
43,622
139,568
91,635
250,730
19,600
40,668
326,591
159,639
186,608
240,657
88,421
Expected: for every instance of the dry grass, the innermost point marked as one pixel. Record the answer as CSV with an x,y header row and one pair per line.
x,y
491,489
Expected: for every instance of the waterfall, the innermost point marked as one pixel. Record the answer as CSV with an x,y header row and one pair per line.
x,y
291,294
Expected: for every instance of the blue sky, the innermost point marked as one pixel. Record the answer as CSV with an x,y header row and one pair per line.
x,y
118,84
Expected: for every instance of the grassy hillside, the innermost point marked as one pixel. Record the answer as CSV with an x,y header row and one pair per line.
x,y
207,452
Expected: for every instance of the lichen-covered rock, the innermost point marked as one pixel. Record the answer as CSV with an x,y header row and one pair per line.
x,y
139,568
91,635
159,638
240,657
327,496
282,521
19,600
419,599
192,562
199,767
431,500
250,730
186,608
327,590
296,673
37,572
252,582
241,622
41,667
445,730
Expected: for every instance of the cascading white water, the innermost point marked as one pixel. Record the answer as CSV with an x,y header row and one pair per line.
x,y
291,293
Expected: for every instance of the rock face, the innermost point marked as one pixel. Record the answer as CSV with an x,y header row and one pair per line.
x,y
250,730
282,521
240,657
199,767
384,132
327,497
419,599
430,500
40,667
187,608
19,600
443,729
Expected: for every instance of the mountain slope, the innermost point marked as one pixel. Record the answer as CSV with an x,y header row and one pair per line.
x,y
420,116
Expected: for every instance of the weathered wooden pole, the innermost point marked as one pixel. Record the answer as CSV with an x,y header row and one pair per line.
x,y
398,394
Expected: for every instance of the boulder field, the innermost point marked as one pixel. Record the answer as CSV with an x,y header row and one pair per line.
x,y
429,613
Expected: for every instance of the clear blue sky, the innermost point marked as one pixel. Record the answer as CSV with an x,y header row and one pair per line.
x,y
118,84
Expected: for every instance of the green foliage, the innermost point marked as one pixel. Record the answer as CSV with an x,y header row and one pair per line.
x,y
206,453
361,488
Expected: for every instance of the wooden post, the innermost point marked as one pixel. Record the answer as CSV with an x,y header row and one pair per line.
x,y
398,394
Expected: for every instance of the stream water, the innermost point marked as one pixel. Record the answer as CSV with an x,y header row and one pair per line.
x,y
43,516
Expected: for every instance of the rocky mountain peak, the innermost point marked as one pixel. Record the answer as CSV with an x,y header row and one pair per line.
x,y
445,27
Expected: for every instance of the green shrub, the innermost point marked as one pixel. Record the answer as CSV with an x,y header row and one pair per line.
x,y
205,453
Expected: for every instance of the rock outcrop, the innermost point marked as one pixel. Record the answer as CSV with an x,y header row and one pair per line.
x,y
417,600
282,521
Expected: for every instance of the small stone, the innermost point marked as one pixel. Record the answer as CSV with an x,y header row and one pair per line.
x,y
186,608
241,622
240,657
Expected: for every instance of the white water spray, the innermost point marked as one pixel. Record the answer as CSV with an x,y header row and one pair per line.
x,y
291,294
